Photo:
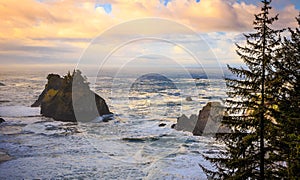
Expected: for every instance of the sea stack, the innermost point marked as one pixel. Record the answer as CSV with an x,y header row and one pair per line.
x,y
209,119
69,98
208,122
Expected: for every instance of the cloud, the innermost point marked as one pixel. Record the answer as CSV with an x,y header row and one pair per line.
x,y
45,28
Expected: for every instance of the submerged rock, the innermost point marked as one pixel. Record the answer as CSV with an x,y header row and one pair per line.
x,y
189,98
140,139
4,156
11,129
162,125
173,126
69,98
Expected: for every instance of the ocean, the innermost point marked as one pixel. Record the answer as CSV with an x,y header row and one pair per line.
x,y
131,146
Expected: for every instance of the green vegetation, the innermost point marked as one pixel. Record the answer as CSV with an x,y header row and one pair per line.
x,y
262,107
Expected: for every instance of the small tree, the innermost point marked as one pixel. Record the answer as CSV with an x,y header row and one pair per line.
x,y
249,106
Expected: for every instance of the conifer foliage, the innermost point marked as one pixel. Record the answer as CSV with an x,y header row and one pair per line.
x,y
250,106
287,97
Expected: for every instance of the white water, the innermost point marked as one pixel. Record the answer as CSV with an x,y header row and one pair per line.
x,y
132,146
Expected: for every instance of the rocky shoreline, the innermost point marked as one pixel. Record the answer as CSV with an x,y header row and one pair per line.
x,y
69,98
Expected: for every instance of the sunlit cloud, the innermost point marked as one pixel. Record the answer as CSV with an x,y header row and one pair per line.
x,y
57,31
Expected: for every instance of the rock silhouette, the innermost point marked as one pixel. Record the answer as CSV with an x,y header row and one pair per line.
x,y
69,98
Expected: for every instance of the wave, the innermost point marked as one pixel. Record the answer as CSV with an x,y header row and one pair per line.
x,y
19,111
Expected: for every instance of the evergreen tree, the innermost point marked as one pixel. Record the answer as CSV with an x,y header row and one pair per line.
x,y
287,114
249,107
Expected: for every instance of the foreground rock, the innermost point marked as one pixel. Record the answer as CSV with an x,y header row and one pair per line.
x,y
70,99
208,121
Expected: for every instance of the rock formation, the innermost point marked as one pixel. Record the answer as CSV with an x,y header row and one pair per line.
x,y
69,98
208,121
186,124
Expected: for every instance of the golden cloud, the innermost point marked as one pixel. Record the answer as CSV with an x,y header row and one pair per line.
x,y
72,23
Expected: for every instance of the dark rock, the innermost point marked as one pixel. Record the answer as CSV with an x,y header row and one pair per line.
x,y
107,117
189,98
209,120
1,84
2,120
173,126
186,124
140,139
70,99
4,101
162,124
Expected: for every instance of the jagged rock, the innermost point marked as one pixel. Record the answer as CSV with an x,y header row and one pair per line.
x,y
186,124
209,120
70,99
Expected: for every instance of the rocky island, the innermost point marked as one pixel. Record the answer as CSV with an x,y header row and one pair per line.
x,y
208,121
69,98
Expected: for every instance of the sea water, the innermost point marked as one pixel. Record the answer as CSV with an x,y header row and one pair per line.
x,y
131,146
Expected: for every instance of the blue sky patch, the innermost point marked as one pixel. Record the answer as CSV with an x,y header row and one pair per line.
x,y
165,2
107,7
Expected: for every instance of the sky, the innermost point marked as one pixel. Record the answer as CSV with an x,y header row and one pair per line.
x,y
60,33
